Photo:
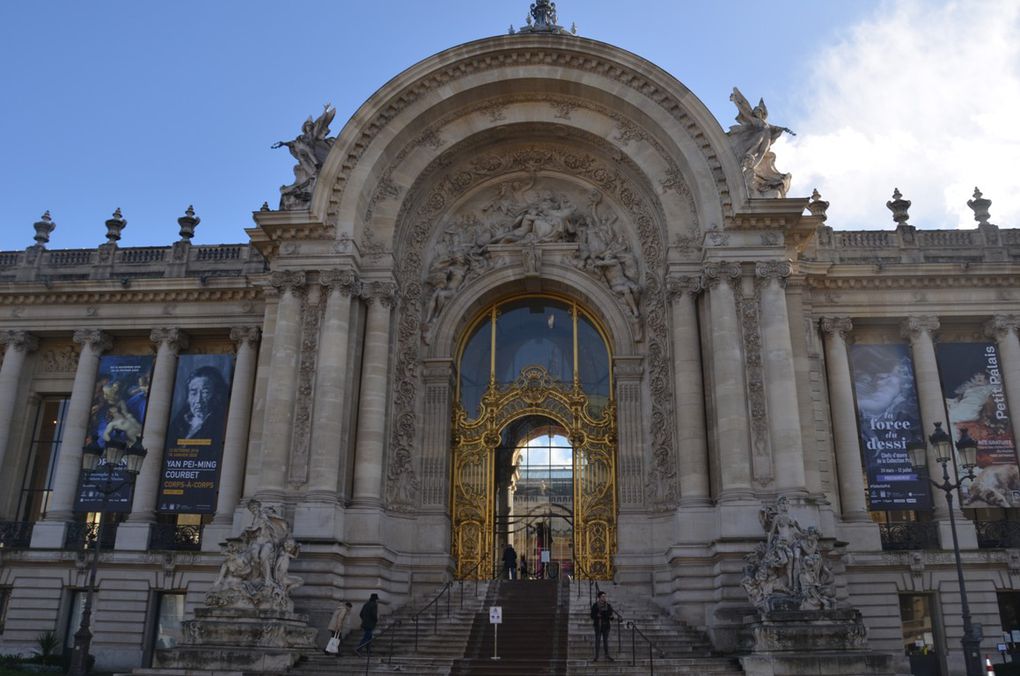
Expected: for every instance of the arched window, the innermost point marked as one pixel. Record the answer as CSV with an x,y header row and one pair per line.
x,y
554,334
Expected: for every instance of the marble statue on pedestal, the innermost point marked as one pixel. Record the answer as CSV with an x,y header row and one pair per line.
x,y
310,149
752,140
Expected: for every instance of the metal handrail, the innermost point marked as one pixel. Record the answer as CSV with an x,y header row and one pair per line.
x,y
435,616
460,580
367,646
591,582
634,631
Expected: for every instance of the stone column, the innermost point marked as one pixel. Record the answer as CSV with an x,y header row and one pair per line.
x,y
920,331
371,438
780,378
18,344
435,484
283,381
852,492
689,391
1003,328
627,374
728,383
65,482
331,378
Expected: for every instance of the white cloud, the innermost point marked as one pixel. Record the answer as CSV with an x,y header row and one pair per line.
x,y
922,96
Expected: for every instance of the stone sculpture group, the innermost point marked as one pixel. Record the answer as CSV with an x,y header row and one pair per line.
x,y
752,140
310,149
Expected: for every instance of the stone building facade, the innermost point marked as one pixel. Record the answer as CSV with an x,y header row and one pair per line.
x,y
540,167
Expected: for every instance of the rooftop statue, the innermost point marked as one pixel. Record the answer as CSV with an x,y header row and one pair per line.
x,y
752,140
310,149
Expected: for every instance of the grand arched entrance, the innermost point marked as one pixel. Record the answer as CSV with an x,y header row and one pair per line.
x,y
534,366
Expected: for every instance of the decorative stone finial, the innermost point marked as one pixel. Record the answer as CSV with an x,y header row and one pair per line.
x,y
264,207
980,205
898,206
542,19
43,227
817,206
188,222
114,226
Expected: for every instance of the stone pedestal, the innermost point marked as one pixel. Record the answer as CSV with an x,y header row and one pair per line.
x,y
230,639
803,642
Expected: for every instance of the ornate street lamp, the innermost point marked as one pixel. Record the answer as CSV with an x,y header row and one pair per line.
x,y
967,448
115,453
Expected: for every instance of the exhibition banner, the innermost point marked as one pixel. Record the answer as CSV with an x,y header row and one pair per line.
x,y
189,481
976,403
118,412
888,418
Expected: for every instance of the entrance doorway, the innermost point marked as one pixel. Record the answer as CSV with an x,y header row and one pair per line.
x,y
534,441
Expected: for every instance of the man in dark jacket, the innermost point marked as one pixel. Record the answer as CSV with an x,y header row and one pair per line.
x,y
602,619
510,561
369,618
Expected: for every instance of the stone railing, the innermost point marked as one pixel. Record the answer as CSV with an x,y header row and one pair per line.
x,y
15,534
179,260
998,534
907,244
909,535
172,536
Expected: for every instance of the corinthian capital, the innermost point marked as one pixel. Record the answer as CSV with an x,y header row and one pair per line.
x,y
381,292
912,327
836,326
768,271
678,285
173,338
999,326
246,334
20,341
341,280
288,281
714,273
97,340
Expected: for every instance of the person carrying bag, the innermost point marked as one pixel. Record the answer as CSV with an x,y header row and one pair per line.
x,y
336,625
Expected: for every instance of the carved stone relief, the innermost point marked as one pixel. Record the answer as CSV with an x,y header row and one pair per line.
x,y
761,454
311,319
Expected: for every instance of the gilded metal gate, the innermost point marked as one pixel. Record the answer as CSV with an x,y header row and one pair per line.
x,y
593,438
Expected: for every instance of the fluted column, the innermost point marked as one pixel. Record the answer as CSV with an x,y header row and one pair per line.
x,y
235,440
368,459
169,341
689,389
282,391
65,482
18,345
852,492
728,382
920,331
780,378
331,369
1003,328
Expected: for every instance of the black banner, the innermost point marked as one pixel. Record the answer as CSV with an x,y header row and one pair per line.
x,y
194,439
888,418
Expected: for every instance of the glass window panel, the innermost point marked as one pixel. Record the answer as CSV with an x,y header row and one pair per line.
x,y
42,462
592,363
168,623
534,332
474,369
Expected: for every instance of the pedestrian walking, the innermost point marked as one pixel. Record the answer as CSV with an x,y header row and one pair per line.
x,y
510,561
602,620
369,619
336,628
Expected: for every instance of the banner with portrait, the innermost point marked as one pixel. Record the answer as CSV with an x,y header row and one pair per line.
x,y
888,418
118,408
193,451
976,402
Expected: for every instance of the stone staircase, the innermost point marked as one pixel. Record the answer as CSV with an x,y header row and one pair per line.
x,y
677,648
393,649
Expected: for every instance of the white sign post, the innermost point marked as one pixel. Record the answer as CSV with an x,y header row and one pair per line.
x,y
495,619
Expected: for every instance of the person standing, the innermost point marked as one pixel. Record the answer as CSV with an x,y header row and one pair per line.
x,y
602,620
510,561
336,624
524,567
369,618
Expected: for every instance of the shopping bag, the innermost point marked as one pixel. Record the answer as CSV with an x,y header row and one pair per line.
x,y
333,646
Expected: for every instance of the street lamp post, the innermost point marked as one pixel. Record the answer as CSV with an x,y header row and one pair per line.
x,y
115,453
967,447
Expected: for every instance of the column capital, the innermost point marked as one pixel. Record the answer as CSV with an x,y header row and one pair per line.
x,y
1000,326
99,341
173,338
628,368
342,280
913,327
677,285
246,334
288,281
836,326
716,272
382,292
20,341
768,271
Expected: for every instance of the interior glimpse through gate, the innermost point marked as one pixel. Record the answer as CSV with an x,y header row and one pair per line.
x,y
540,358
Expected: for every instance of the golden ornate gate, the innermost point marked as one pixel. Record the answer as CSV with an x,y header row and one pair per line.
x,y
593,438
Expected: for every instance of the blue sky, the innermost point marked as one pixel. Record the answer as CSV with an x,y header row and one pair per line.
x,y
152,106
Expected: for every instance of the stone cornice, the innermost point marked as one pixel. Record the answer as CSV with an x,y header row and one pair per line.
x,y
205,295
912,281
274,227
